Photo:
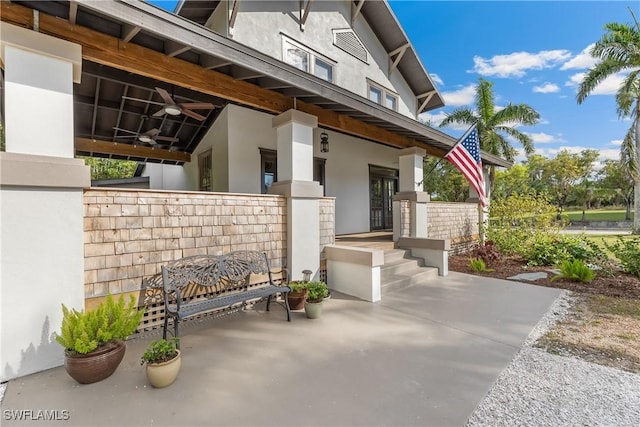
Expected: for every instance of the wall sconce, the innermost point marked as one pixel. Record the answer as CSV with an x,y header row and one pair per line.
x,y
324,142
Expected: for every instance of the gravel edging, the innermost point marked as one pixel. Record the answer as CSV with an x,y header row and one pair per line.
x,y
542,389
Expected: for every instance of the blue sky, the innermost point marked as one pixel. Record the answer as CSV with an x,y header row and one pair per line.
x,y
535,52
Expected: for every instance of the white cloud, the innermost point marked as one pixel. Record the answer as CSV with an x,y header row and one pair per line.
x,y
436,79
605,154
460,97
437,118
518,63
582,60
608,86
543,138
547,88
617,142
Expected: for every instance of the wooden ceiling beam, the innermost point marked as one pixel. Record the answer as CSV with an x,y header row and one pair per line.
x,y
111,51
85,145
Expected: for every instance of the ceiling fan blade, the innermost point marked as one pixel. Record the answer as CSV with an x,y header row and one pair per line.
x,y
159,113
143,100
125,130
165,95
152,132
192,114
166,138
197,105
126,136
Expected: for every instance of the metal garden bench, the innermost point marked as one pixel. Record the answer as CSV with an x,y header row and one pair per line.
x,y
198,284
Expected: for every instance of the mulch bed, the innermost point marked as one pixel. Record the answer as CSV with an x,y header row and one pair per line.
x,y
618,285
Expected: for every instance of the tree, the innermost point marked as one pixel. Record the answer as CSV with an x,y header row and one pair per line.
x,y
110,168
615,177
514,180
494,126
444,182
618,51
564,172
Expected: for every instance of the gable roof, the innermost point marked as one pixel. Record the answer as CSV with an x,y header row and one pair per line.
x,y
384,24
125,35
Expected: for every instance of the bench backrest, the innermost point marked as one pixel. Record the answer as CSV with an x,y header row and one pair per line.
x,y
221,272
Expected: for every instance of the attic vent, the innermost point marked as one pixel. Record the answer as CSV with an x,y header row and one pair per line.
x,y
348,41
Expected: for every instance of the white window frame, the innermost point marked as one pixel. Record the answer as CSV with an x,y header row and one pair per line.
x,y
385,93
312,56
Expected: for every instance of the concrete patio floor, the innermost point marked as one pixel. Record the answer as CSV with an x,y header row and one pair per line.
x,y
426,355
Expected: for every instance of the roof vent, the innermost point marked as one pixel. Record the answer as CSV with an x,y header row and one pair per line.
x,y
348,41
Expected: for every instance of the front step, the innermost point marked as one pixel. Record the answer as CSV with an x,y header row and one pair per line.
x,y
401,270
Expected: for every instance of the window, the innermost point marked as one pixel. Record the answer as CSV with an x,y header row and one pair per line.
x,y
383,96
205,171
307,60
269,169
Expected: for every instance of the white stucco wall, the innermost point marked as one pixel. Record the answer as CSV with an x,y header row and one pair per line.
x,y
42,265
262,25
166,177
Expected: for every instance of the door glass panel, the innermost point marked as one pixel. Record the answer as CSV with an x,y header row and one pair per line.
x,y
324,70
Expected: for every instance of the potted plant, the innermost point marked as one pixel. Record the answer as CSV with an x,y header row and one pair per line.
x,y
163,361
317,291
93,340
298,294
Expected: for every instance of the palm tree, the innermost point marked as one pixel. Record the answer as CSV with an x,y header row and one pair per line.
x,y
619,51
494,125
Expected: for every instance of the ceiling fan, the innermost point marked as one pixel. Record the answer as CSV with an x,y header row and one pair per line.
x,y
151,136
169,106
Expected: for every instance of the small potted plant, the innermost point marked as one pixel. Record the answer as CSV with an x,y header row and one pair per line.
x,y
317,291
298,294
93,340
163,361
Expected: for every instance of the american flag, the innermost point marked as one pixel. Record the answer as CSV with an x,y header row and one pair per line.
x,y
465,156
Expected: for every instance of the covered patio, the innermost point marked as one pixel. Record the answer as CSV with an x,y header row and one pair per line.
x,y
425,355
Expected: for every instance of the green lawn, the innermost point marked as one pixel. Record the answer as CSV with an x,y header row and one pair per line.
x,y
600,240
597,215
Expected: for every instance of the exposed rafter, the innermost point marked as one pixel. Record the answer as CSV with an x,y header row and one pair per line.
x,y
174,49
129,32
355,10
73,11
211,63
398,53
426,97
305,8
233,13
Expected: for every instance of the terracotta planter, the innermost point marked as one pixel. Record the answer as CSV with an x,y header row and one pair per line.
x,y
296,299
165,373
313,309
97,365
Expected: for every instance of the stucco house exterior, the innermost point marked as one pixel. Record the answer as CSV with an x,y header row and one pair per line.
x,y
303,126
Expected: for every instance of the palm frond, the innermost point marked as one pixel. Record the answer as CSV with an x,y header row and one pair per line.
x,y
460,115
520,113
628,92
596,75
485,100
629,152
524,139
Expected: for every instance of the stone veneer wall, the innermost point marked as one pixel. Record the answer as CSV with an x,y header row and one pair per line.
x,y
129,234
327,222
455,221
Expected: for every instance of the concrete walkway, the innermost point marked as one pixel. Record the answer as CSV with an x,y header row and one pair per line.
x,y
426,355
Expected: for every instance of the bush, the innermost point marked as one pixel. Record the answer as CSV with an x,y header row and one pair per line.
x,y
160,351
83,332
553,249
317,291
576,271
478,264
487,252
627,251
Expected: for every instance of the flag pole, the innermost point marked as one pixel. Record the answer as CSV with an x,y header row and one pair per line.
x,y
447,153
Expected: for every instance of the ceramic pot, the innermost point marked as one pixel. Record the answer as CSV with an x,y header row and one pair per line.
x,y
164,374
96,365
313,309
296,299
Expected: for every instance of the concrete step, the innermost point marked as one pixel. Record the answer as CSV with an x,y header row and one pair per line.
x,y
400,270
416,276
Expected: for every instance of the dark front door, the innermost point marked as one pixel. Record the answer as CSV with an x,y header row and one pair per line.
x,y
382,184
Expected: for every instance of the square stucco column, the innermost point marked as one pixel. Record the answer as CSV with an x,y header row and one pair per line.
x,y
411,186
295,181
41,200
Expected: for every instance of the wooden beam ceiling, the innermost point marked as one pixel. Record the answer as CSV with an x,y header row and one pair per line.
x,y
107,50
85,145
